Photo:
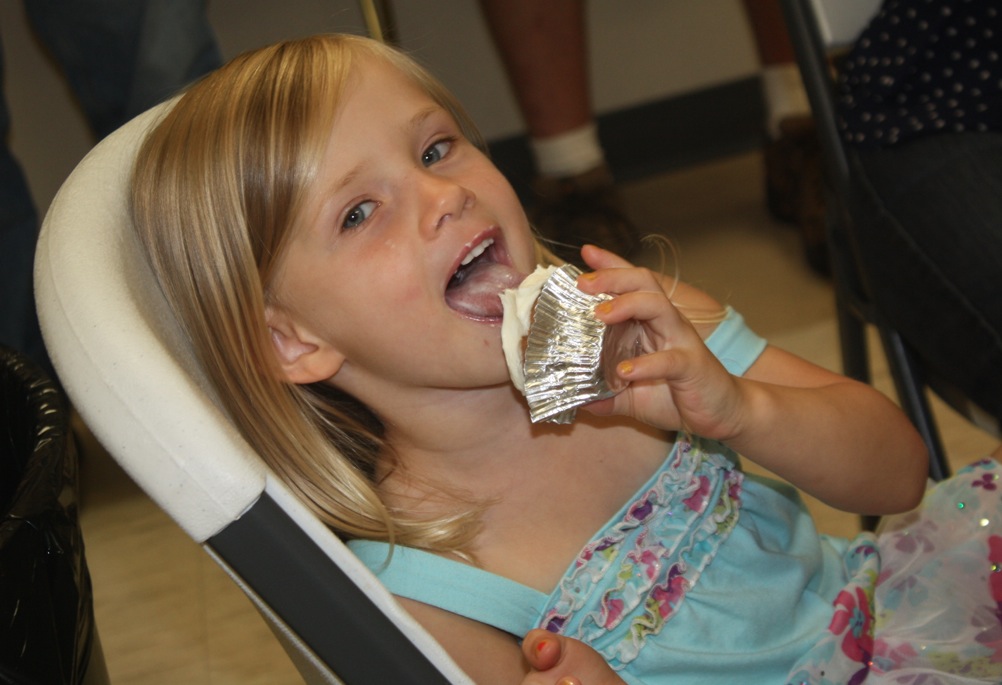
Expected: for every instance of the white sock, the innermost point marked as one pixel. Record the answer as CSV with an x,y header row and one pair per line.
x,y
568,154
784,94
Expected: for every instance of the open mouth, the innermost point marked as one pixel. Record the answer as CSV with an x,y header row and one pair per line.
x,y
475,288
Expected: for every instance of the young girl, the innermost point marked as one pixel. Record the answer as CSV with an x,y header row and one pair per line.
x,y
328,230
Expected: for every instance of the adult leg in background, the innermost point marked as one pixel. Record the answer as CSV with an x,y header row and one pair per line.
x,y
18,232
119,57
791,150
543,46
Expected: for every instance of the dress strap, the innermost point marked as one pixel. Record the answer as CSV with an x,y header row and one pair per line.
x,y
454,586
734,344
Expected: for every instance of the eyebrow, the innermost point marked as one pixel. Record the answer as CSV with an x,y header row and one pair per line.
x,y
414,123
347,178
422,115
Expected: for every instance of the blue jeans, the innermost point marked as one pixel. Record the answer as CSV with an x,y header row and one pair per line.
x,y
931,246
119,57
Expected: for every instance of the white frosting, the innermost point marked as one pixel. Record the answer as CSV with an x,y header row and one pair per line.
x,y
518,304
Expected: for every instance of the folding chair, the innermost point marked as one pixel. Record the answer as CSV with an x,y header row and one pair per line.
x,y
819,29
129,372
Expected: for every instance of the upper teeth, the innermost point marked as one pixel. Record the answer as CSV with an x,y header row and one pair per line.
x,y
477,251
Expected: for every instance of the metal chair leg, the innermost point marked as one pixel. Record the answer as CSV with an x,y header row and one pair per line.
x,y
910,386
379,21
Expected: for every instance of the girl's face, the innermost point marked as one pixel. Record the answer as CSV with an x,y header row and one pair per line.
x,y
392,279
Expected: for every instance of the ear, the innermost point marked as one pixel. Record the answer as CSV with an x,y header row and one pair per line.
x,y
302,357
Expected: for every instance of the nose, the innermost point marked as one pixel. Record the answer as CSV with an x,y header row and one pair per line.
x,y
444,200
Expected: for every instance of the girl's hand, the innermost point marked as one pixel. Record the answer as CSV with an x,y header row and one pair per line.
x,y
558,660
676,383
837,439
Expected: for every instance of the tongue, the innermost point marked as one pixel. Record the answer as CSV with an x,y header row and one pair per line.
x,y
478,294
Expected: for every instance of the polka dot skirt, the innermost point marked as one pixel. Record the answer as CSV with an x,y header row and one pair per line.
x,y
923,67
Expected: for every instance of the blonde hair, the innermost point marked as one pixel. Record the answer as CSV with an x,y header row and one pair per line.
x,y
217,186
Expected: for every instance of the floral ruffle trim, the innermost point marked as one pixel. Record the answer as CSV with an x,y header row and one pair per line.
x,y
645,564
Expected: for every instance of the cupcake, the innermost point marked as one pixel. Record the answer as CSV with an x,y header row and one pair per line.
x,y
557,350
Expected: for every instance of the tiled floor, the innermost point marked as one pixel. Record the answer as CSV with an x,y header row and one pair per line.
x,y
165,612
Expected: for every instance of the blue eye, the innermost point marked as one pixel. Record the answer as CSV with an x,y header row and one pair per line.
x,y
357,215
436,152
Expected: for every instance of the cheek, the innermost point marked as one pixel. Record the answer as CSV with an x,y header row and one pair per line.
x,y
499,188
407,297
399,283
522,244
518,231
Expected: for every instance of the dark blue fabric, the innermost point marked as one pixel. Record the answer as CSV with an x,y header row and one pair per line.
x,y
18,227
920,108
119,57
929,226
923,67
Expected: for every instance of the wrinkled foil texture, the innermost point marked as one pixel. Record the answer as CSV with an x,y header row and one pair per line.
x,y
568,350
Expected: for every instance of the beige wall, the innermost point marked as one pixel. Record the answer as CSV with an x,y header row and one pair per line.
x,y
641,50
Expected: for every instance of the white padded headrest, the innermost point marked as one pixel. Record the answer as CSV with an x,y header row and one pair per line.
x,y
130,374
120,355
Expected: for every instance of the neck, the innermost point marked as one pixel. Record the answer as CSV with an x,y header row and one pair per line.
x,y
480,441
479,449
542,486
464,430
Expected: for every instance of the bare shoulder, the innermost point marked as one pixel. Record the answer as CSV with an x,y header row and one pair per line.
x,y
487,654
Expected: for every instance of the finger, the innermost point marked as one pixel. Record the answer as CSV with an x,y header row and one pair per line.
x,y
541,649
546,679
652,309
675,364
617,281
599,258
607,406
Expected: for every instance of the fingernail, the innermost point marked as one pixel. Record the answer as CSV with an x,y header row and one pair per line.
x,y
604,307
625,368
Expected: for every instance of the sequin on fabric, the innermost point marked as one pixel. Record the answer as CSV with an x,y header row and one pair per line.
x,y
923,602
656,553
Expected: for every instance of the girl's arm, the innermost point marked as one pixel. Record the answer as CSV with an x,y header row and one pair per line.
x,y
837,439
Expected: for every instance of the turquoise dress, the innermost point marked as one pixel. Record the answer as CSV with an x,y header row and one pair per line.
x,y
709,575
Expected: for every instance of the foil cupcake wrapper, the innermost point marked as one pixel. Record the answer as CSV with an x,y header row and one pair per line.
x,y
568,349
